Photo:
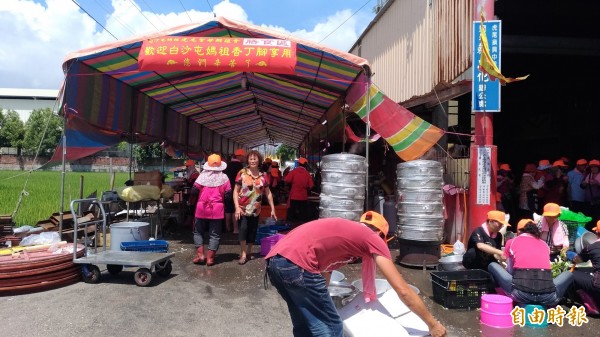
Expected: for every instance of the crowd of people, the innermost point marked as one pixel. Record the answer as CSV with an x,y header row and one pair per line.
x,y
577,188
229,197
521,266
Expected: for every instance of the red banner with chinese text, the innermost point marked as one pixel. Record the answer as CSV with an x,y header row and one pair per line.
x,y
220,54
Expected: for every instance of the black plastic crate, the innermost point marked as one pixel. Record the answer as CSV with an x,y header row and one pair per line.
x,y
460,289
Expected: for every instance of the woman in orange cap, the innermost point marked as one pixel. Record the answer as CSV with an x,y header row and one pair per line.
x,y
591,185
191,172
528,202
299,266
505,186
528,276
556,188
553,231
209,191
588,284
484,243
575,192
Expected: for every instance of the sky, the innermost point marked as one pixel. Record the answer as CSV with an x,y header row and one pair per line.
x,y
37,35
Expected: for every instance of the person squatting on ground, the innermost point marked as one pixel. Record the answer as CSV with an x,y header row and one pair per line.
x,y
300,264
300,183
484,243
209,191
553,231
528,276
250,184
587,284
233,168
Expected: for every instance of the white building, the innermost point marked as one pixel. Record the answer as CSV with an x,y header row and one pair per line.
x,y
24,101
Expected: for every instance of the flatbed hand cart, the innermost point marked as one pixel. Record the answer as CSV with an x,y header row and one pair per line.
x,y
148,262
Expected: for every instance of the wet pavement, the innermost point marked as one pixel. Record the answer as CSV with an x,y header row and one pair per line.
x,y
226,299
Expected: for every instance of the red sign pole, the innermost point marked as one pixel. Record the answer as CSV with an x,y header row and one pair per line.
x,y
484,137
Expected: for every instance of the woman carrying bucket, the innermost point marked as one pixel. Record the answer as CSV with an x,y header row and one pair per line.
x,y
209,189
528,276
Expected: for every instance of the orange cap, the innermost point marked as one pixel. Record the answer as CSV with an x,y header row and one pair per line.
x,y
544,164
505,167
551,209
302,161
274,164
581,162
239,152
597,229
523,222
559,163
189,162
268,160
214,163
376,220
498,216
594,162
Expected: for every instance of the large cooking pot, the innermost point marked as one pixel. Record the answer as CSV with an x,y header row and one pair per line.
x,y
587,238
451,263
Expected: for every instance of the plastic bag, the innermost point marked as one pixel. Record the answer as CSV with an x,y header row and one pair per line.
x,y
40,239
459,248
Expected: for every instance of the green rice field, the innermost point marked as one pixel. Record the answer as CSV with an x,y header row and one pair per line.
x,y
41,191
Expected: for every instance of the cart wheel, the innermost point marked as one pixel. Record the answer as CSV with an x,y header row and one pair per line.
x,y
143,277
91,273
164,269
114,269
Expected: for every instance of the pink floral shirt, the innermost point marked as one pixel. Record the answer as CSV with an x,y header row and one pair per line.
x,y
251,191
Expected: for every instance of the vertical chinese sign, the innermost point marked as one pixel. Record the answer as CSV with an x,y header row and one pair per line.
x,y
486,92
484,175
183,53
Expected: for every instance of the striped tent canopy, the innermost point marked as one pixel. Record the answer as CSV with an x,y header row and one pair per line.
x,y
199,112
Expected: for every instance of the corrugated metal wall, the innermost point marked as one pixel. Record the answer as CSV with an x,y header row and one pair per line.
x,y
413,45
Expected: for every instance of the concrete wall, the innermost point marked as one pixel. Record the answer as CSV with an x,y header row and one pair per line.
x,y
89,164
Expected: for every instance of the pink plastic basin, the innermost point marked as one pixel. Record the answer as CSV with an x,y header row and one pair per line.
x,y
267,243
495,311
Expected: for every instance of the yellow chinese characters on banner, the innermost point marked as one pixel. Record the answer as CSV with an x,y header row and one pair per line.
x,y
575,317
219,54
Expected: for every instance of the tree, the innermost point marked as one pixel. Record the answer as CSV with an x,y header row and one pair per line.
x,y
12,129
45,127
143,153
285,153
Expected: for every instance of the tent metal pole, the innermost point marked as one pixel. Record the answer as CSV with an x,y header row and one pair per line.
x,y
367,135
62,177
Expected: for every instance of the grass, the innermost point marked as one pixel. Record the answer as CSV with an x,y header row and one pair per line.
x,y
41,196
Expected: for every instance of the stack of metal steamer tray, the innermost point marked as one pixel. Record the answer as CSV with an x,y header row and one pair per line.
x,y
420,212
342,186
